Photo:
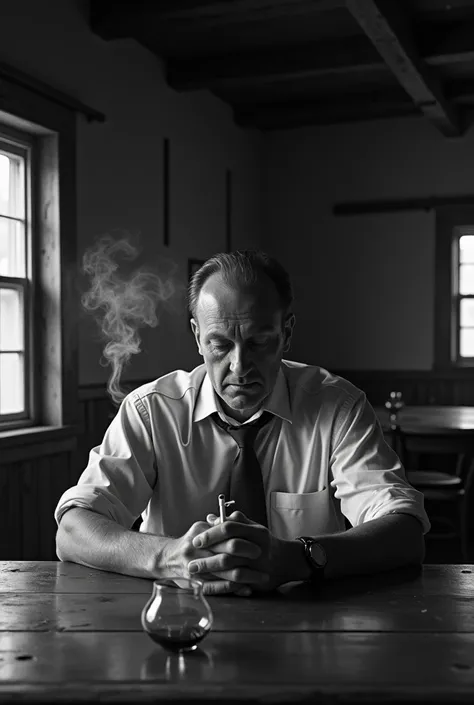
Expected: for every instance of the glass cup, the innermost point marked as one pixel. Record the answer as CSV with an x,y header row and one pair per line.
x,y
177,616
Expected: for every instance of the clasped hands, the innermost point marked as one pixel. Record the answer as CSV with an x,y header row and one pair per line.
x,y
236,556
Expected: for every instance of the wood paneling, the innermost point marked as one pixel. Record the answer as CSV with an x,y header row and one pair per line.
x,y
419,388
29,492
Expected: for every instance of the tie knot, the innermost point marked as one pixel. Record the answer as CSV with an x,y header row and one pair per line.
x,y
245,434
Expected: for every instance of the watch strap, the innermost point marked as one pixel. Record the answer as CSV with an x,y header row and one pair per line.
x,y
317,571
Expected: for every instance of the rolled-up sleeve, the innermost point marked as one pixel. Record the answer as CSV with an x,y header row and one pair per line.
x,y
367,475
121,473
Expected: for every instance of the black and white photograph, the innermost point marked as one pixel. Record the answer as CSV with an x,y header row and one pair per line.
x,y
237,352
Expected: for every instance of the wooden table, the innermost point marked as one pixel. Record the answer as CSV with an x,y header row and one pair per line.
x,y
70,633
440,419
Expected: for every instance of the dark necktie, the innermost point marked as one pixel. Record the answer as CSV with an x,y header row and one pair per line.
x,y
246,482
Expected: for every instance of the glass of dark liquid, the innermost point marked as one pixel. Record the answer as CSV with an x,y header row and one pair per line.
x,y
177,616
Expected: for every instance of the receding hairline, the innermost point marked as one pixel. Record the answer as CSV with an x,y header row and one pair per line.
x,y
264,285
247,266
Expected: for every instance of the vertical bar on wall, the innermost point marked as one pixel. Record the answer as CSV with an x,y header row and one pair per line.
x,y
228,210
166,191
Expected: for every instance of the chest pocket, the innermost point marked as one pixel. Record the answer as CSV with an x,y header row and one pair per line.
x,y
308,514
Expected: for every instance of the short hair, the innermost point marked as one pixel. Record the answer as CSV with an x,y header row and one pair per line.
x,y
242,267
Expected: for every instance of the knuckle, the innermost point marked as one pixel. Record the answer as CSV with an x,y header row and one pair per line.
x,y
222,562
188,551
234,545
236,575
197,528
226,529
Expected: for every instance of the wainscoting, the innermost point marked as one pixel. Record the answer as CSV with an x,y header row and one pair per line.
x,y
32,482
419,388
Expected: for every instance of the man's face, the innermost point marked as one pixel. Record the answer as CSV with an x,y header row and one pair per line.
x,y
242,335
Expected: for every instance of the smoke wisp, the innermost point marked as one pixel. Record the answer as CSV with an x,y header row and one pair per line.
x,y
123,304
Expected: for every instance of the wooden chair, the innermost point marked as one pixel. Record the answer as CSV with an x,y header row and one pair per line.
x,y
447,493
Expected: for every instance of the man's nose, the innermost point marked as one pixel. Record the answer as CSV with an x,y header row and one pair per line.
x,y
241,361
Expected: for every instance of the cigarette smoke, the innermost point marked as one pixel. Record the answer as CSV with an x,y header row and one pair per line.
x,y
121,304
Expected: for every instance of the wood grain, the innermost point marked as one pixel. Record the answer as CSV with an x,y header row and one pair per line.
x,y
115,612
338,666
71,633
56,576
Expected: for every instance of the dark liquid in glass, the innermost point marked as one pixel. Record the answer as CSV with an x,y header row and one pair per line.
x,y
178,640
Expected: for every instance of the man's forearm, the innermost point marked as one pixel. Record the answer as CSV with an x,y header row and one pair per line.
x,y
386,543
97,542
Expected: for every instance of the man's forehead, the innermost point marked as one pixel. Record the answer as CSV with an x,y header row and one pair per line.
x,y
237,298
222,310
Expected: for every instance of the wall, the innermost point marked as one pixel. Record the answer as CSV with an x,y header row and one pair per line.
x,y
364,284
119,162
120,188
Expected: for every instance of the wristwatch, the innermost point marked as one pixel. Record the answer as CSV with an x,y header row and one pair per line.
x,y
315,556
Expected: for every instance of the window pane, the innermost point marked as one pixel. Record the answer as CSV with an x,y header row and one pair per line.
x,y
467,312
466,279
466,248
466,342
4,182
12,185
11,320
12,248
11,383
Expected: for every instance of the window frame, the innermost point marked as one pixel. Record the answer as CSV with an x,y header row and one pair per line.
x,y
23,145
461,360
52,127
447,299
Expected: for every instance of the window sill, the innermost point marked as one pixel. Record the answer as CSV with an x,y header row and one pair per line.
x,y
35,441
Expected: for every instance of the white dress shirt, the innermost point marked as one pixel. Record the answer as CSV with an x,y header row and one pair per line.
x,y
323,456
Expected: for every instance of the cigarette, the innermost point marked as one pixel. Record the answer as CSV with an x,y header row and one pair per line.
x,y
222,506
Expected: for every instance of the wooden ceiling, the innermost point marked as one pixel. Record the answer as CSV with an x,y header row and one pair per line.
x,y
287,63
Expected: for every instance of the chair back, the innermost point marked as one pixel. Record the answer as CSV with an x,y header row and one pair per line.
x,y
415,442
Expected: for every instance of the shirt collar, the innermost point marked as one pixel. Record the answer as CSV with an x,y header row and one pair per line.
x,y
278,403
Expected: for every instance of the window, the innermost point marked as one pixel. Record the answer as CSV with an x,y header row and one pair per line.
x,y
454,295
464,292
38,268
15,279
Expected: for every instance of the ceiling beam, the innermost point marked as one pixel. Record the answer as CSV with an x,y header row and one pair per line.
x,y
230,11
338,56
110,18
382,24
328,58
274,116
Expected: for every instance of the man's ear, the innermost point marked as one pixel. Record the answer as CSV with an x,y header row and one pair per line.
x,y
288,330
195,329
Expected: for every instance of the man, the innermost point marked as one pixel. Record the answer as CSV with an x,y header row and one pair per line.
x,y
317,456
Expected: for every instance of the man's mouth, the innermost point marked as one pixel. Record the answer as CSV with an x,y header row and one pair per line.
x,y
245,384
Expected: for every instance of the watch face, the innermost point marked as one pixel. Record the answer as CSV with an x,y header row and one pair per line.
x,y
318,554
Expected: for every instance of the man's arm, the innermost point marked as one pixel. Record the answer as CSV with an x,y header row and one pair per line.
x,y
95,541
386,543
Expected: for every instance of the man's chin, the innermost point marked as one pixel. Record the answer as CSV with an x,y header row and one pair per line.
x,y
244,401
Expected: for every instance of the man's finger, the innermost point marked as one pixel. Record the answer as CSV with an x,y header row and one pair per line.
x,y
237,547
223,567
239,516
225,587
229,530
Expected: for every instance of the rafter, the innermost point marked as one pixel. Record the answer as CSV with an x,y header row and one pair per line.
x,y
328,58
281,115
382,24
214,12
338,56
110,18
